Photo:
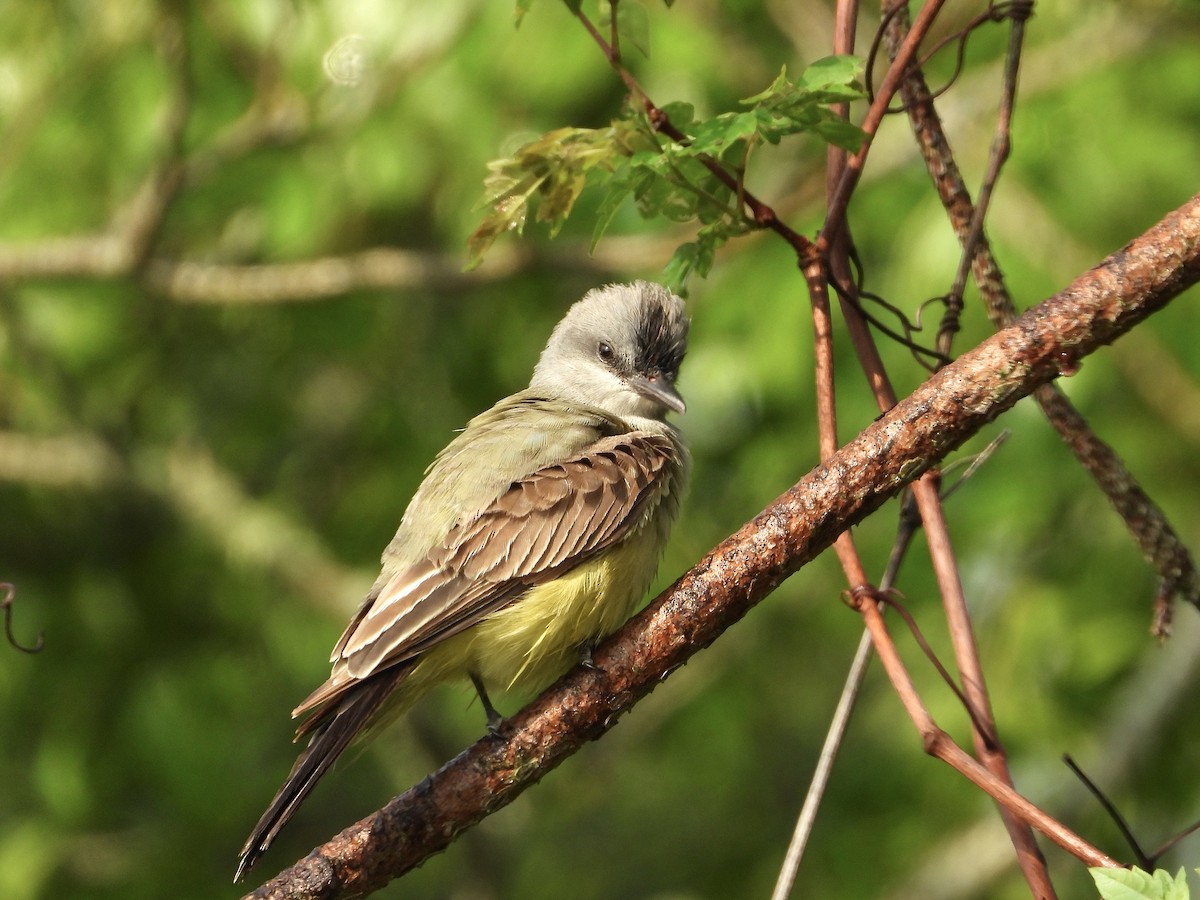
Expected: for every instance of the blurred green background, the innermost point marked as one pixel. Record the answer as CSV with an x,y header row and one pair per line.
x,y
200,461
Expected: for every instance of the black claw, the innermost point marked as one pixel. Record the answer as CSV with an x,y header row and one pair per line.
x,y
585,656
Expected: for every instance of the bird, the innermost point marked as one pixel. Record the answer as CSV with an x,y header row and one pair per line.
x,y
533,535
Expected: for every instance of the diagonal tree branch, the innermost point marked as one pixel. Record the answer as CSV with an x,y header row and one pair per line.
x,y
940,415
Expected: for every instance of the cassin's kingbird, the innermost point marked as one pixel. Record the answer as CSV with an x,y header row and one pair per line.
x,y
534,534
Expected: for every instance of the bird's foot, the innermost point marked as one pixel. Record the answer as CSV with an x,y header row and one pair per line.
x,y
585,655
495,721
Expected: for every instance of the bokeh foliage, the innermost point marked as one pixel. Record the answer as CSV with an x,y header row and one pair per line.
x,y
195,486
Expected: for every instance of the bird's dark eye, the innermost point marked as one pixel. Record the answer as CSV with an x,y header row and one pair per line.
x,y
605,351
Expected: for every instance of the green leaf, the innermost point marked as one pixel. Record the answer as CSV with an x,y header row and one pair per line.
x,y
679,266
617,193
775,125
828,80
633,25
841,71
1135,884
680,114
778,86
523,6
787,108
694,257
841,133
661,196
548,174
720,132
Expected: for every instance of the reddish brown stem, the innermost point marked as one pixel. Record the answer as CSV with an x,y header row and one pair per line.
x,y
834,239
838,205
1154,534
939,744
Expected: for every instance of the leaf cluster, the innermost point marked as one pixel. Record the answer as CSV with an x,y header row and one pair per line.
x,y
672,164
1135,884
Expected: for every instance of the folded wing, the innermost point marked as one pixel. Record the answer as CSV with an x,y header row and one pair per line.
x,y
543,525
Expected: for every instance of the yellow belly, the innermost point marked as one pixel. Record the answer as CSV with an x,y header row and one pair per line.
x,y
533,641
539,636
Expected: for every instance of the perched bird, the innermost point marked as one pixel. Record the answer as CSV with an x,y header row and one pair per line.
x,y
534,534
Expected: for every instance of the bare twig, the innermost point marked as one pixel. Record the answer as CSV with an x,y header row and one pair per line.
x,y
840,198
925,491
1113,813
909,522
1145,520
380,268
997,155
8,594
847,553
1146,861
1173,840
973,464
277,114
995,12
844,547
124,247
938,744
191,483
927,357
1156,696
984,736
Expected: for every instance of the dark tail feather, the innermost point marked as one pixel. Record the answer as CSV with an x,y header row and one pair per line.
x,y
330,737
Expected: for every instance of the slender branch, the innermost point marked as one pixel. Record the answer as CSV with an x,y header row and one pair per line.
x,y
817,786
939,416
276,115
1113,813
847,553
372,269
997,155
1155,536
1155,697
833,240
196,489
908,522
124,247
925,490
316,279
1146,861
938,744
8,595
826,403
984,733
905,54
1174,839
840,722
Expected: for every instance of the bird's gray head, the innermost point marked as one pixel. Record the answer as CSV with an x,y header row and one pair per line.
x,y
619,349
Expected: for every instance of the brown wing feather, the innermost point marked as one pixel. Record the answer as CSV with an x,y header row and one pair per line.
x,y
546,523
635,462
